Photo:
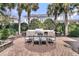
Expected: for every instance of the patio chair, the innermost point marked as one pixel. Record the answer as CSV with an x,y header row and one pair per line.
x,y
29,36
51,40
44,38
36,40
24,34
28,40
49,37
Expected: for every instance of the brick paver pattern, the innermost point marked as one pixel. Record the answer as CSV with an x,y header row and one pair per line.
x,y
19,48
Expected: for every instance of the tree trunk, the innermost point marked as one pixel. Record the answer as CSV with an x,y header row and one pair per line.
x,y
19,26
55,22
28,20
28,17
19,20
66,25
9,18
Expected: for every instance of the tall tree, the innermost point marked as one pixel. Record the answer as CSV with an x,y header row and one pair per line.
x,y
66,8
10,6
3,13
27,6
59,8
30,7
20,8
54,9
2,8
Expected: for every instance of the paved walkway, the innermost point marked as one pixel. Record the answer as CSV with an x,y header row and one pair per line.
x,y
21,49
17,49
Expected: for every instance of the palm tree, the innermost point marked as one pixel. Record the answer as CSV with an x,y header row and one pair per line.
x,y
2,9
59,8
20,8
2,12
66,9
54,10
30,7
9,6
77,6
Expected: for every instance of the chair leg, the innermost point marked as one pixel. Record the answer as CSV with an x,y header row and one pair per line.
x,y
33,42
54,44
47,42
39,42
28,41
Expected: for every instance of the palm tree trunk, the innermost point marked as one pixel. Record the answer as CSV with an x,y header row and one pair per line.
x,y
66,25
28,17
19,26
9,17
55,22
19,20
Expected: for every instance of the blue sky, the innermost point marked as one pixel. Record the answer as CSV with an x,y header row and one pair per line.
x,y
42,10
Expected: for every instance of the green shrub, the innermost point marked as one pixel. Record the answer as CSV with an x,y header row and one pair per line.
x,y
8,25
35,23
24,26
60,27
0,26
4,34
73,30
49,24
0,35
15,26
74,33
11,31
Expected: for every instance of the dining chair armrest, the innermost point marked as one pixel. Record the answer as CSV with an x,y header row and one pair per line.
x,y
27,38
53,39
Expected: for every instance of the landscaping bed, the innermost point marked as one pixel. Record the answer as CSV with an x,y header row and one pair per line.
x,y
74,45
6,38
5,44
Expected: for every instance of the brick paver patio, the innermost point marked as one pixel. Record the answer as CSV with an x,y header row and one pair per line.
x,y
21,49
